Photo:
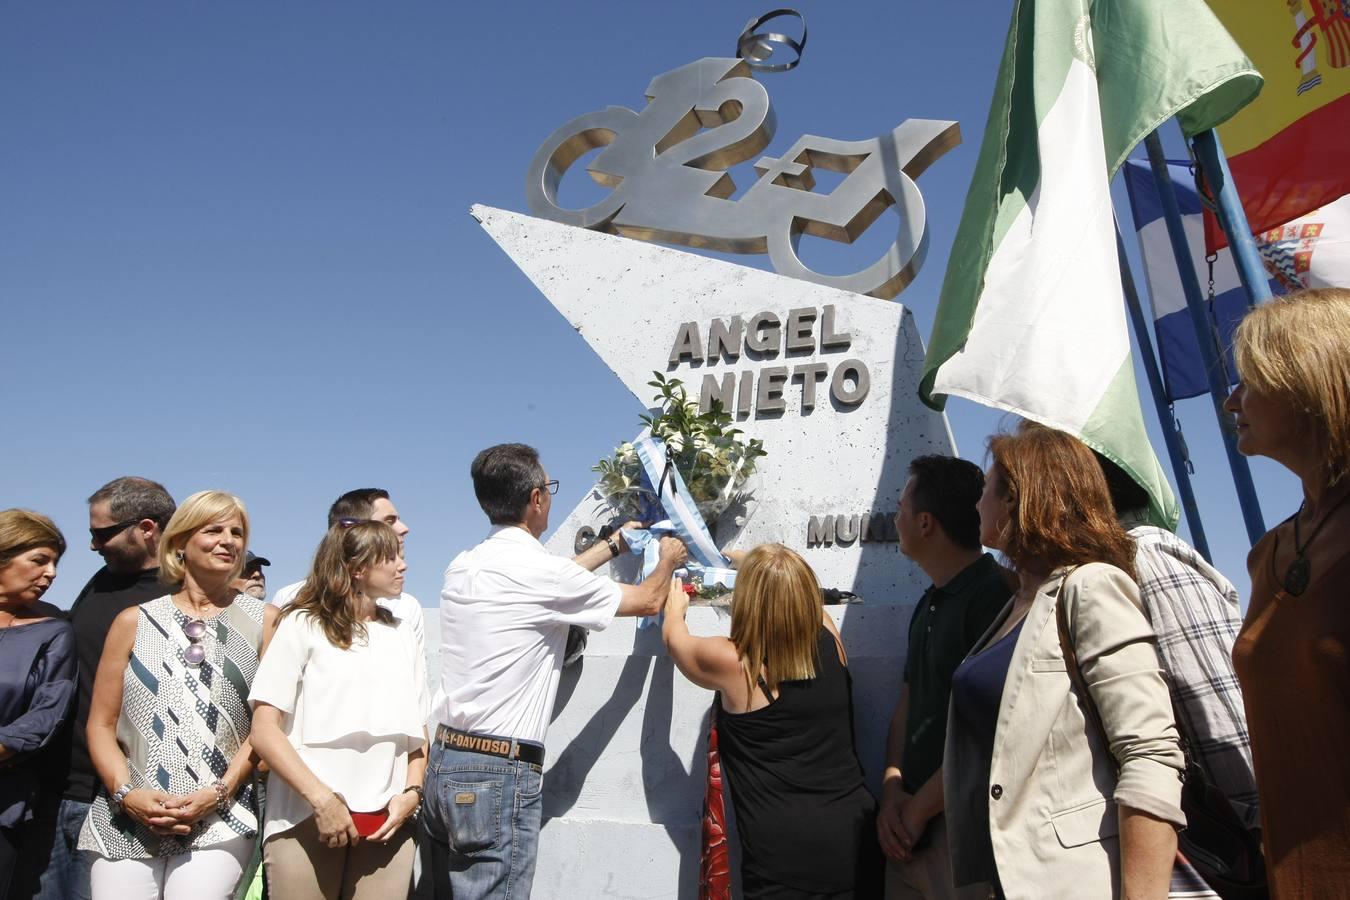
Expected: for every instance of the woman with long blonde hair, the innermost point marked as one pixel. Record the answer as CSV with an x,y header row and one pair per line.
x,y
784,715
1293,406
340,710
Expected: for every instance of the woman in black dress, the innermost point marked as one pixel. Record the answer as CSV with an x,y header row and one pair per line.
x,y
784,708
37,682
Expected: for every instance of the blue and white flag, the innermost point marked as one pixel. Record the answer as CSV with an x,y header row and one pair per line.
x,y
1312,251
1183,367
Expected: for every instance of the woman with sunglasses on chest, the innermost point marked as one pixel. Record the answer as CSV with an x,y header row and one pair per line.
x,y
340,712
169,722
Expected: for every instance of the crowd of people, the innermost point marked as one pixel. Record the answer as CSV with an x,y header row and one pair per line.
x,y
1058,709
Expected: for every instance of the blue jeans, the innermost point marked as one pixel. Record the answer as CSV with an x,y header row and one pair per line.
x,y
480,826
67,875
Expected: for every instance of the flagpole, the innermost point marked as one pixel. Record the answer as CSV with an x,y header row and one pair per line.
x,y
1176,448
1205,337
1233,218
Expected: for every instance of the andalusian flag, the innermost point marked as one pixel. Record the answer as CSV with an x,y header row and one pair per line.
x,y
1032,317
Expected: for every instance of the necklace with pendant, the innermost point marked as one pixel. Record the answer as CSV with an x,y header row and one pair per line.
x,y
1299,574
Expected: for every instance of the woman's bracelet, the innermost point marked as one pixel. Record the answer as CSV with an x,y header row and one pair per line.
x,y
222,796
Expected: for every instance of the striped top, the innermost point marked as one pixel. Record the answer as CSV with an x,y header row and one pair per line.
x,y
180,726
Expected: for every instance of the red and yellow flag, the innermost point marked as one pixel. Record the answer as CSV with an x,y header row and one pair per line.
x,y
1290,148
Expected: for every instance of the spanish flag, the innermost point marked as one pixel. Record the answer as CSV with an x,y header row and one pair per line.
x,y
1289,150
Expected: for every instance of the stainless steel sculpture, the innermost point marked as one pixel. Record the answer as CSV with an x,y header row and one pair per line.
x,y
667,166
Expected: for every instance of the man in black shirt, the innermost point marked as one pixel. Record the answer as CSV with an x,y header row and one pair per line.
x,y
126,517
939,529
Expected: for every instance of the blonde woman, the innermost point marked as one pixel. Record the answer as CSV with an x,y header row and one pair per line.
x,y
1293,405
37,683
784,707
169,721
340,711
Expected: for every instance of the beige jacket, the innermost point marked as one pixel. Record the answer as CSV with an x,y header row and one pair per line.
x,y
1052,790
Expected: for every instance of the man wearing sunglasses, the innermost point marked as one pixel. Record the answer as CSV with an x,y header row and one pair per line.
x,y
126,518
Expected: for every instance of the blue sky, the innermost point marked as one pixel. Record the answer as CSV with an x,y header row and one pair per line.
x,y
235,249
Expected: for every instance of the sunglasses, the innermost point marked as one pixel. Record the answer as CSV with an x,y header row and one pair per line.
x,y
195,632
349,522
108,532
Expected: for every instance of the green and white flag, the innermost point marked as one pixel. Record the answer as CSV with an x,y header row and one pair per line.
x,y
1032,316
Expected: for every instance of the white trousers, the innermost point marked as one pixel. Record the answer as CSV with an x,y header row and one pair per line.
x,y
211,873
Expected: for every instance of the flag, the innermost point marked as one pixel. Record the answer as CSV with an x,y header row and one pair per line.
x,y
1031,318
1288,149
1311,251
1182,366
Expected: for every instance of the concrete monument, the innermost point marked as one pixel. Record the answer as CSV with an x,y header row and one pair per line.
x,y
824,375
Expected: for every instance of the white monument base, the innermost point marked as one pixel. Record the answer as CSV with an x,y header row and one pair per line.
x,y
626,769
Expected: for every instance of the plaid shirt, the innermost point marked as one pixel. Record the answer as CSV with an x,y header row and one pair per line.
x,y
1195,613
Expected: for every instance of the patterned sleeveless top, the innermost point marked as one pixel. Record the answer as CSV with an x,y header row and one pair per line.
x,y
180,726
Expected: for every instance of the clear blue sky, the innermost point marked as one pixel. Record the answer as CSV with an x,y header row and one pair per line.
x,y
235,249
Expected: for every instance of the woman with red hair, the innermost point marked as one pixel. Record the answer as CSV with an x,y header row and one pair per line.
x,y
1062,766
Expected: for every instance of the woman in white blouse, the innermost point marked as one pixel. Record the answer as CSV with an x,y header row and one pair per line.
x,y
340,710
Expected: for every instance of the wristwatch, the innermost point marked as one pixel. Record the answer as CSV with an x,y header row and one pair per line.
x,y
119,795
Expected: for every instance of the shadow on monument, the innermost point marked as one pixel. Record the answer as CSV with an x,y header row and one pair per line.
x,y
568,775
873,678
665,782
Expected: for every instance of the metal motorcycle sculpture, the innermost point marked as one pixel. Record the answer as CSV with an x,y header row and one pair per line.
x,y
667,168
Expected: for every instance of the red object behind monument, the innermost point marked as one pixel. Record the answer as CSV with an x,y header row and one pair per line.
x,y
714,867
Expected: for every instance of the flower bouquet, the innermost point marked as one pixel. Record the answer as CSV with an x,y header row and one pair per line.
x,y
710,454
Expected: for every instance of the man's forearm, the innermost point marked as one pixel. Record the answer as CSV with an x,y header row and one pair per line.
x,y
657,584
895,738
595,556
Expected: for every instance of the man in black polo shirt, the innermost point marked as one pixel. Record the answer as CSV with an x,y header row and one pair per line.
x,y
939,529
126,517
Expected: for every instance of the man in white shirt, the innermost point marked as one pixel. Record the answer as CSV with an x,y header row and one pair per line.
x,y
367,505
505,611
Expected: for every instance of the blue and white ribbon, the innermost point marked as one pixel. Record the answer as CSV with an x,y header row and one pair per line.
x,y
683,520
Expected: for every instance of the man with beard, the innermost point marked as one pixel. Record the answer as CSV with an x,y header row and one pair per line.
x,y
126,518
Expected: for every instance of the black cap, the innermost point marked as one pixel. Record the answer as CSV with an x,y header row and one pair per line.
x,y
251,558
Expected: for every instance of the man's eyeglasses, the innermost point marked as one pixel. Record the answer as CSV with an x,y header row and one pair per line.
x,y
108,532
351,522
550,486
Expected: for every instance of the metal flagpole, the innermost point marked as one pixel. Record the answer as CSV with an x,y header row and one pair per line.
x,y
1233,218
1204,334
1176,448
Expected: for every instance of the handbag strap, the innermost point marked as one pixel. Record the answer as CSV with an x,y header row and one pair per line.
x,y
1071,663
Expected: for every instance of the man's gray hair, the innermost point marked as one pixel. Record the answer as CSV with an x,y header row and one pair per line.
x,y
130,497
